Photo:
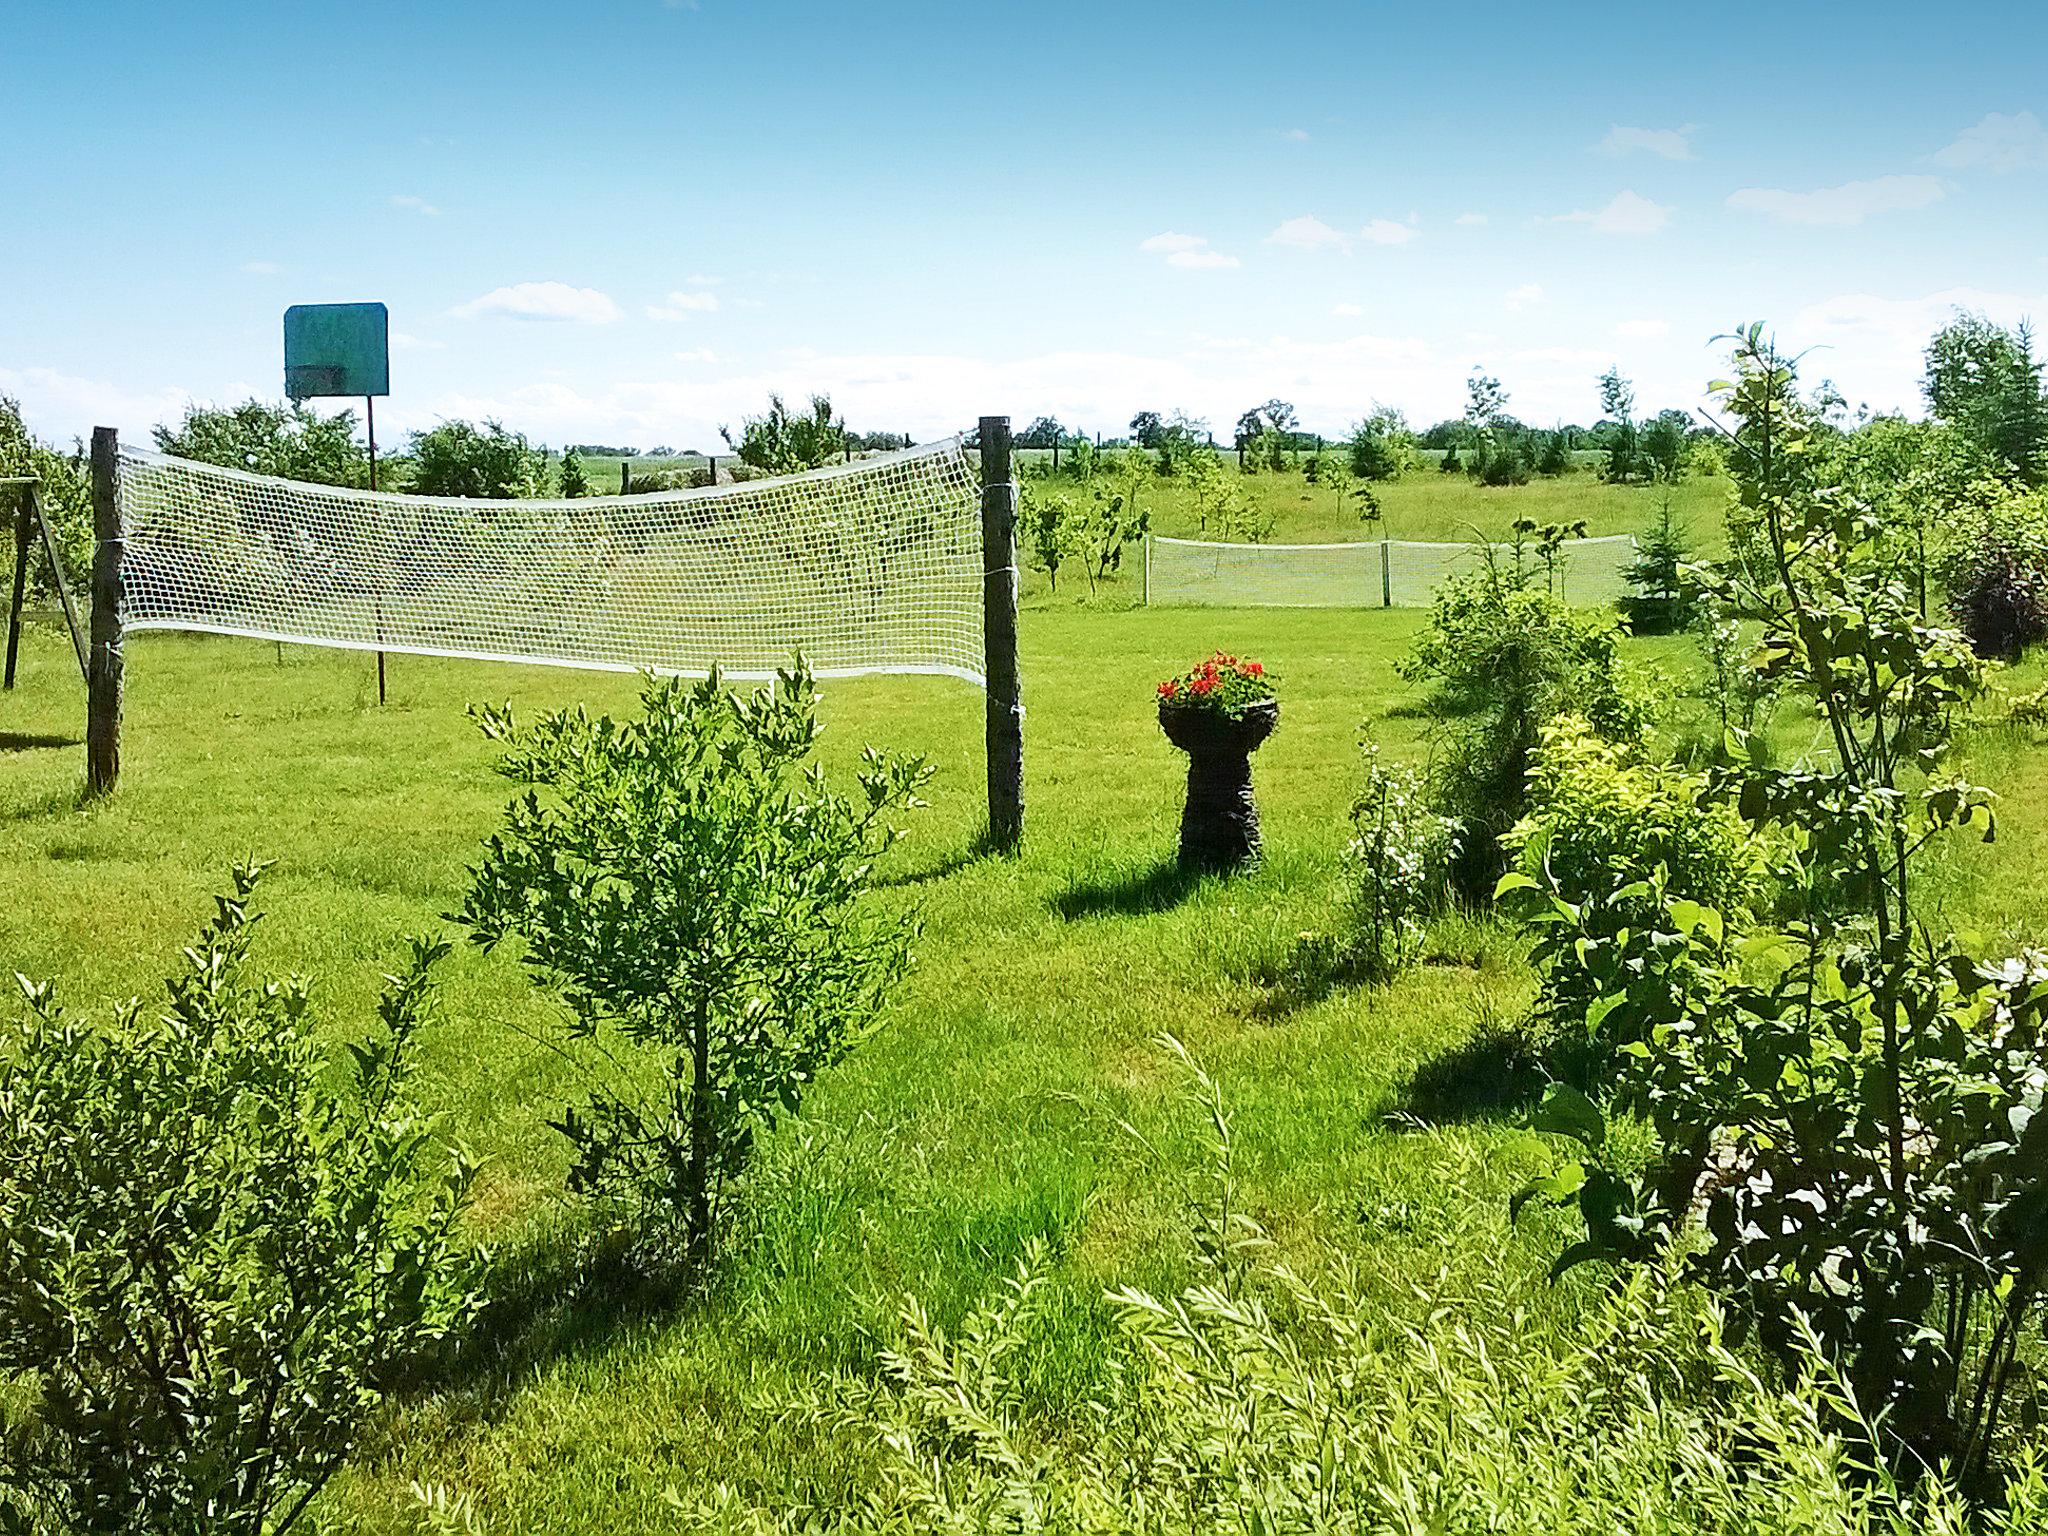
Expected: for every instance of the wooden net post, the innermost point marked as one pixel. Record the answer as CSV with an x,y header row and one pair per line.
x,y
999,637
103,679
21,536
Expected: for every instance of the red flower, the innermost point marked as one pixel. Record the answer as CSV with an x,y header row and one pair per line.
x,y
1254,668
1204,684
1168,688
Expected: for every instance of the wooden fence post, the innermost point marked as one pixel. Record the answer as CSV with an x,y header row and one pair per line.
x,y
103,681
999,637
21,534
1386,575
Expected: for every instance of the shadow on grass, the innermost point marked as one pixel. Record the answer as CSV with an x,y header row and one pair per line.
x,y
982,847
1159,888
36,741
1494,1074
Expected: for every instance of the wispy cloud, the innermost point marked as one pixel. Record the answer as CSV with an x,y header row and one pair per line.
x,y
1185,250
1999,141
1470,220
1392,231
405,341
416,205
261,268
1850,203
542,301
1525,296
1348,311
682,304
1308,233
697,355
1295,135
1626,213
1642,330
1665,143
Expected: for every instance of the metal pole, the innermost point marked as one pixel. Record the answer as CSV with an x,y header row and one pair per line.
x,y
370,427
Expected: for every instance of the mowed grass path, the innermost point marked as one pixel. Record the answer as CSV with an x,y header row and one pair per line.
x,y
981,1116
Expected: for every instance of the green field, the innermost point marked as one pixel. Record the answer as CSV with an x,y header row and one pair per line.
x,y
982,1115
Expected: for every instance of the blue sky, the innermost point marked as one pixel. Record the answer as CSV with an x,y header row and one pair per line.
x,y
627,221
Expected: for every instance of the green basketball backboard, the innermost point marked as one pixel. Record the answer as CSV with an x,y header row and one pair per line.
x,y
337,349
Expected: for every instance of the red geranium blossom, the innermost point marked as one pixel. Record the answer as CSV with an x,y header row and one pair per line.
x,y
1222,682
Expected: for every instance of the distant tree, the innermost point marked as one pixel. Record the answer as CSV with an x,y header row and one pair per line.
x,y
1555,458
459,458
1146,429
291,441
1042,433
1664,444
1985,381
1486,401
1497,450
573,482
1382,447
1624,442
1178,441
1661,601
784,443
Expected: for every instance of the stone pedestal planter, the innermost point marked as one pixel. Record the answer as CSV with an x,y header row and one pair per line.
x,y
1219,828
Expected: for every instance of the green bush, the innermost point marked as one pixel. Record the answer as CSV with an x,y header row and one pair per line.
x,y
693,888
292,441
65,494
218,1253
490,462
785,442
1397,864
1501,657
1991,562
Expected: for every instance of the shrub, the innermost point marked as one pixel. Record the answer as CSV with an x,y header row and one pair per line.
x,y
1555,459
785,442
1663,599
65,493
1051,525
1382,447
1992,563
292,441
573,482
490,462
218,1254
1500,658
694,890
1398,866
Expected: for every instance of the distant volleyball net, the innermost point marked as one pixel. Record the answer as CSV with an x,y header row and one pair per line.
x,y
1390,573
873,566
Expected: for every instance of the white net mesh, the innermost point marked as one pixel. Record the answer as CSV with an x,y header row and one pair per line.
x,y
873,566
1394,573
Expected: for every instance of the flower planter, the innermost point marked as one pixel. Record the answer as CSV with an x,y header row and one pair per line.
x,y
1219,828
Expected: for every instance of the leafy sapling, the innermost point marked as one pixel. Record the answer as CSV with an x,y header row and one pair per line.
x,y
693,887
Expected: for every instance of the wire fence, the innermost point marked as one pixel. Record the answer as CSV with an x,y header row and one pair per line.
x,y
1392,573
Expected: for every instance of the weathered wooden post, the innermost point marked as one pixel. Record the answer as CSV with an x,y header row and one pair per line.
x,y
1386,575
19,485
103,678
999,637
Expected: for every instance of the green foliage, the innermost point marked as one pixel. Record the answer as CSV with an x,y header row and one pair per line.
x,y
1051,524
694,891
1221,684
1147,429
1624,441
218,1252
1555,457
1992,563
1848,1101
490,462
1382,447
1043,432
1502,657
1986,382
1397,865
1663,599
572,481
65,494
292,441
1221,506
1265,1397
783,442
1179,443
1664,446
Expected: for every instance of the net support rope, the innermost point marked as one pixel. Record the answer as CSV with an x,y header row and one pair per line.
x,y
1396,573
873,566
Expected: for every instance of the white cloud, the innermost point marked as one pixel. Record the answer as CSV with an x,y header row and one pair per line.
x,y
682,305
1999,141
1390,231
1348,311
59,406
542,301
416,205
405,341
1666,143
1296,135
1308,233
1643,330
697,355
1850,203
261,268
1186,250
1524,296
1875,342
1470,219
1626,213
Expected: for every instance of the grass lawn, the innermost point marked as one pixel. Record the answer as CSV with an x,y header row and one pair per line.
x,y
984,1112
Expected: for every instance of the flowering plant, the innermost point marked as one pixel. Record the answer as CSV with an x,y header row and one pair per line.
x,y
1225,684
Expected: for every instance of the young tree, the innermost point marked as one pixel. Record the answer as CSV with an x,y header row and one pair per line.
x,y
1043,432
490,462
1555,459
290,441
783,442
220,1247
1146,429
1618,405
1985,381
1663,445
1051,527
694,888
573,482
1382,447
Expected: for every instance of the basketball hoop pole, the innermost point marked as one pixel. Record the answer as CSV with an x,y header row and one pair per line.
x,y
370,426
